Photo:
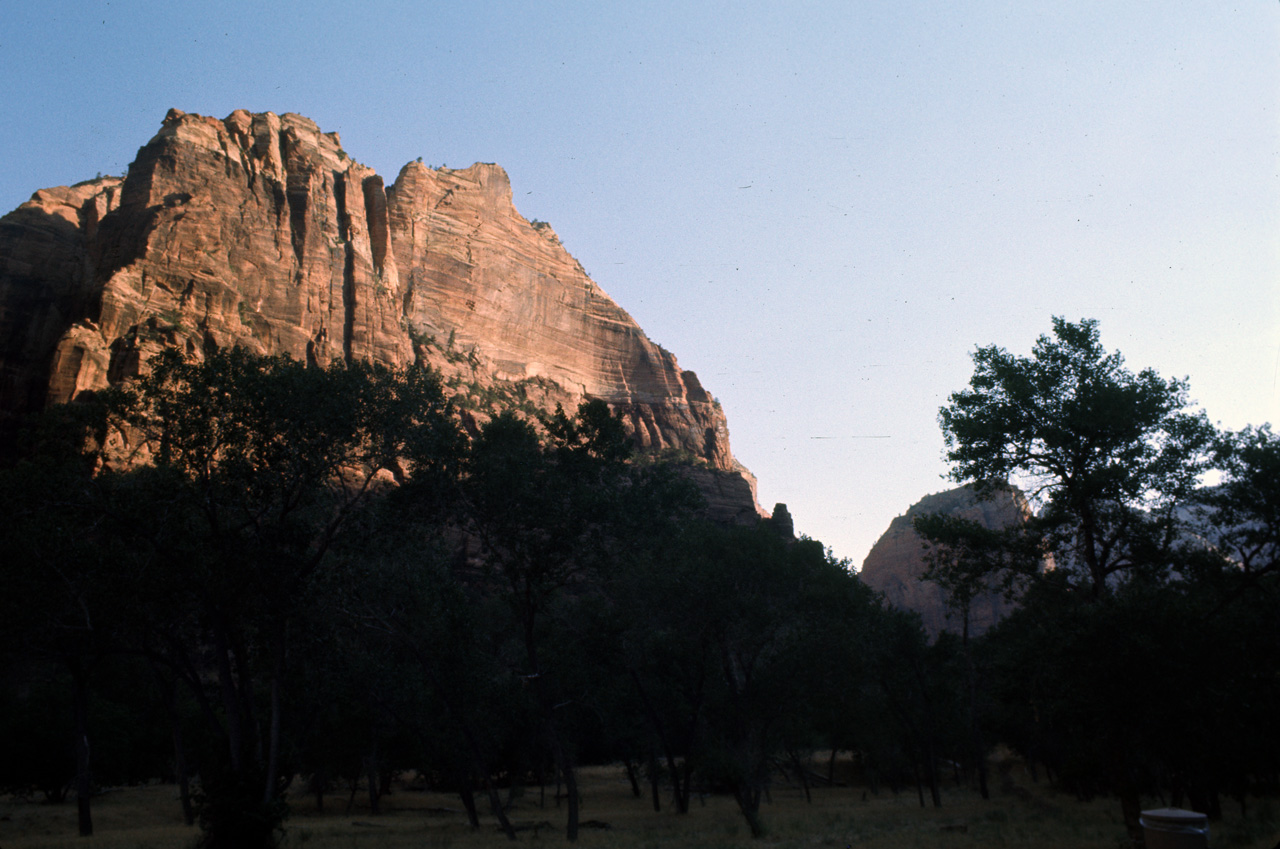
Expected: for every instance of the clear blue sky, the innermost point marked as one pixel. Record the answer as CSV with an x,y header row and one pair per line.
x,y
822,208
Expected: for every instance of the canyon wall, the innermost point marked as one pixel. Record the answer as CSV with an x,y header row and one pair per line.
x,y
897,560
260,231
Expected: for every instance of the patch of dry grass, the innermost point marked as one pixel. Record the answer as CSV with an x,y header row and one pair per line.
x,y
1024,813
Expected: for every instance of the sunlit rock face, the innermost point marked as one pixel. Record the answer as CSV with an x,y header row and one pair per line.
x,y
259,231
897,560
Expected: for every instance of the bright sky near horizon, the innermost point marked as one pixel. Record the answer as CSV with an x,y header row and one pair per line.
x,y
822,208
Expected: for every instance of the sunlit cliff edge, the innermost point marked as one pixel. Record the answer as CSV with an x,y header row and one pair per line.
x,y
260,231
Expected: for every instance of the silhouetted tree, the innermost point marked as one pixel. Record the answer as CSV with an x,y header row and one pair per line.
x,y
1108,456
266,461
551,514
1112,459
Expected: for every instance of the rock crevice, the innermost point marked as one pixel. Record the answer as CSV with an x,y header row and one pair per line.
x,y
258,230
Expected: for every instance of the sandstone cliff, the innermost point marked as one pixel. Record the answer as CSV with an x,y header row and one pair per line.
x,y
260,231
896,561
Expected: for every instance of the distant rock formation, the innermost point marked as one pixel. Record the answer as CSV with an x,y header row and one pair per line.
x,y
781,521
896,561
259,231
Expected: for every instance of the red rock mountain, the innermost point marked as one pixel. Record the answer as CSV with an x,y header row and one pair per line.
x,y
260,231
897,560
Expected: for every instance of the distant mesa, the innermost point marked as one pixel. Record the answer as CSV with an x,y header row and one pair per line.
x,y
259,230
897,560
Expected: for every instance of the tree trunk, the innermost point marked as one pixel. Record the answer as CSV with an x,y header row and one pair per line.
x,y
553,733
930,754
371,770
473,744
317,787
802,775
244,688
230,703
630,767
169,690
571,790
1131,809
468,801
931,770
84,776
680,789
748,800
975,731
181,663
654,776
495,802
681,779
355,788
273,745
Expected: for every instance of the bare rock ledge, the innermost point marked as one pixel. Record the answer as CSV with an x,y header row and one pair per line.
x,y
259,230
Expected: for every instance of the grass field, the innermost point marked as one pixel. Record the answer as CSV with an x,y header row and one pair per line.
x,y
1020,813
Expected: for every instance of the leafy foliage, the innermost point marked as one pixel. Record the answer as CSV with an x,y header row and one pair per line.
x,y
1125,668
314,571
1108,454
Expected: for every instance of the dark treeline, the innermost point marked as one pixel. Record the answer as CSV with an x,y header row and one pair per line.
x,y
263,581
1144,658
258,578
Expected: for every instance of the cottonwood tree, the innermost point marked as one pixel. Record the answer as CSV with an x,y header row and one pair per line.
x,y
1107,455
969,560
1112,459
664,651
1232,565
551,510
733,637
1242,514
412,621
264,462
66,581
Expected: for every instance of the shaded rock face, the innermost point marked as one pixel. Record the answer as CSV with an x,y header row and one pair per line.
x,y
897,560
259,231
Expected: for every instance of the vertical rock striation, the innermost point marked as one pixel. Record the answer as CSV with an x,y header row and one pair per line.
x,y
260,231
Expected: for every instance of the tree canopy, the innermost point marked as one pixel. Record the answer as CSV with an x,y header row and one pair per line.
x,y
318,573
1107,454
1142,589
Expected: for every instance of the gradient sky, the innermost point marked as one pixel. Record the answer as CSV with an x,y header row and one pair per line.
x,y
822,208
